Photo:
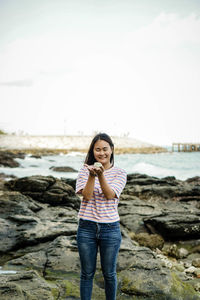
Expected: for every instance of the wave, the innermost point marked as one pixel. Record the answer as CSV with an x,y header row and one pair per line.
x,y
75,153
156,171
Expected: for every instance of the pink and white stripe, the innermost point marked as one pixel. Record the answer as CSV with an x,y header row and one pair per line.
x,y
98,208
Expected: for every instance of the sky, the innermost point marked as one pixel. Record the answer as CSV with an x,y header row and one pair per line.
x,y
124,67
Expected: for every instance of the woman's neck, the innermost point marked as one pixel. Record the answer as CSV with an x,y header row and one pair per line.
x,y
107,166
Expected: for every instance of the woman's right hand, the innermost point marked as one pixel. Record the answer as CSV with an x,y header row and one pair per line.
x,y
91,170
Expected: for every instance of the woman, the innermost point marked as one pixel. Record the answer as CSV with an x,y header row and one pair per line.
x,y
100,183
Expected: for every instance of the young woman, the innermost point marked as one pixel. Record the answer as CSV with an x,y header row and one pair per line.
x,y
100,184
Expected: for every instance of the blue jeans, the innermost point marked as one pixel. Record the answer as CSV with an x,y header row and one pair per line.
x,y
107,237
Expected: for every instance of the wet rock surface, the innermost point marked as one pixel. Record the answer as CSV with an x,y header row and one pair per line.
x,y
7,159
63,169
159,256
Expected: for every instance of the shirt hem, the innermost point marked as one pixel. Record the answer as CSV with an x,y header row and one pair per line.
x,y
99,221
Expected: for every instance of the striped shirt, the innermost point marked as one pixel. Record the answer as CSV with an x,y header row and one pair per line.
x,y
98,208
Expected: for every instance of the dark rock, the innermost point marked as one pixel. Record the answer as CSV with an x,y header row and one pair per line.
x,y
36,156
7,160
194,180
32,183
63,169
61,256
25,222
70,181
146,187
175,225
46,189
38,216
5,176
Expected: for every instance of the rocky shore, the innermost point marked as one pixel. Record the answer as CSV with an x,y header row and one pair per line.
x,y
159,256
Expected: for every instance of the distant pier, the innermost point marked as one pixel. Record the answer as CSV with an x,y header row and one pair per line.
x,y
185,147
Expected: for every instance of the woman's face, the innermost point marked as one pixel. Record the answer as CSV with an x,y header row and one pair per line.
x,y
102,153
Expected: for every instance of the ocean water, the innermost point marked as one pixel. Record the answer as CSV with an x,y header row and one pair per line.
x,y
179,164
7,271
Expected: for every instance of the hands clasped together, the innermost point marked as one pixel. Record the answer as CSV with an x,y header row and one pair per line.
x,y
95,170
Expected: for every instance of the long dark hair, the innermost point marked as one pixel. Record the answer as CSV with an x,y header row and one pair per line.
x,y
90,160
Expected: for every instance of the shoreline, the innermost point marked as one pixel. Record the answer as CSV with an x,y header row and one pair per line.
x,y
45,151
52,145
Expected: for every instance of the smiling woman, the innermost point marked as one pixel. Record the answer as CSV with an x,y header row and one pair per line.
x,y
100,183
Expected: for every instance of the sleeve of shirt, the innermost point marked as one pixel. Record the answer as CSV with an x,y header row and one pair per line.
x,y
81,179
119,182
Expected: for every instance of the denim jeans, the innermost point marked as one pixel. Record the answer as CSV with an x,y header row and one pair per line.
x,y
106,237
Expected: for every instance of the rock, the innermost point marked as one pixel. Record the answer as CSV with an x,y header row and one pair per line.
x,y
182,253
24,285
5,176
12,291
152,241
137,257
190,269
25,222
36,156
197,287
133,210
7,160
69,181
46,189
179,267
175,225
196,262
197,272
155,284
63,169
38,216
145,187
194,180
58,258
174,251
32,183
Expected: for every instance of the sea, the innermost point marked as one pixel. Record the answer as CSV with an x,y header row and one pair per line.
x,y
182,165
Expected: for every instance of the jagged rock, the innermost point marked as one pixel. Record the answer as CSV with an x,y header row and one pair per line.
x,y
24,285
60,256
32,183
26,222
69,181
149,204
7,159
38,216
145,187
175,225
46,189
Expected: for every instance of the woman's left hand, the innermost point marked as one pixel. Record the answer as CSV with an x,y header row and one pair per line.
x,y
99,170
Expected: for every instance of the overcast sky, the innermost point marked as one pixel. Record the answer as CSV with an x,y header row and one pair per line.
x,y
126,67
